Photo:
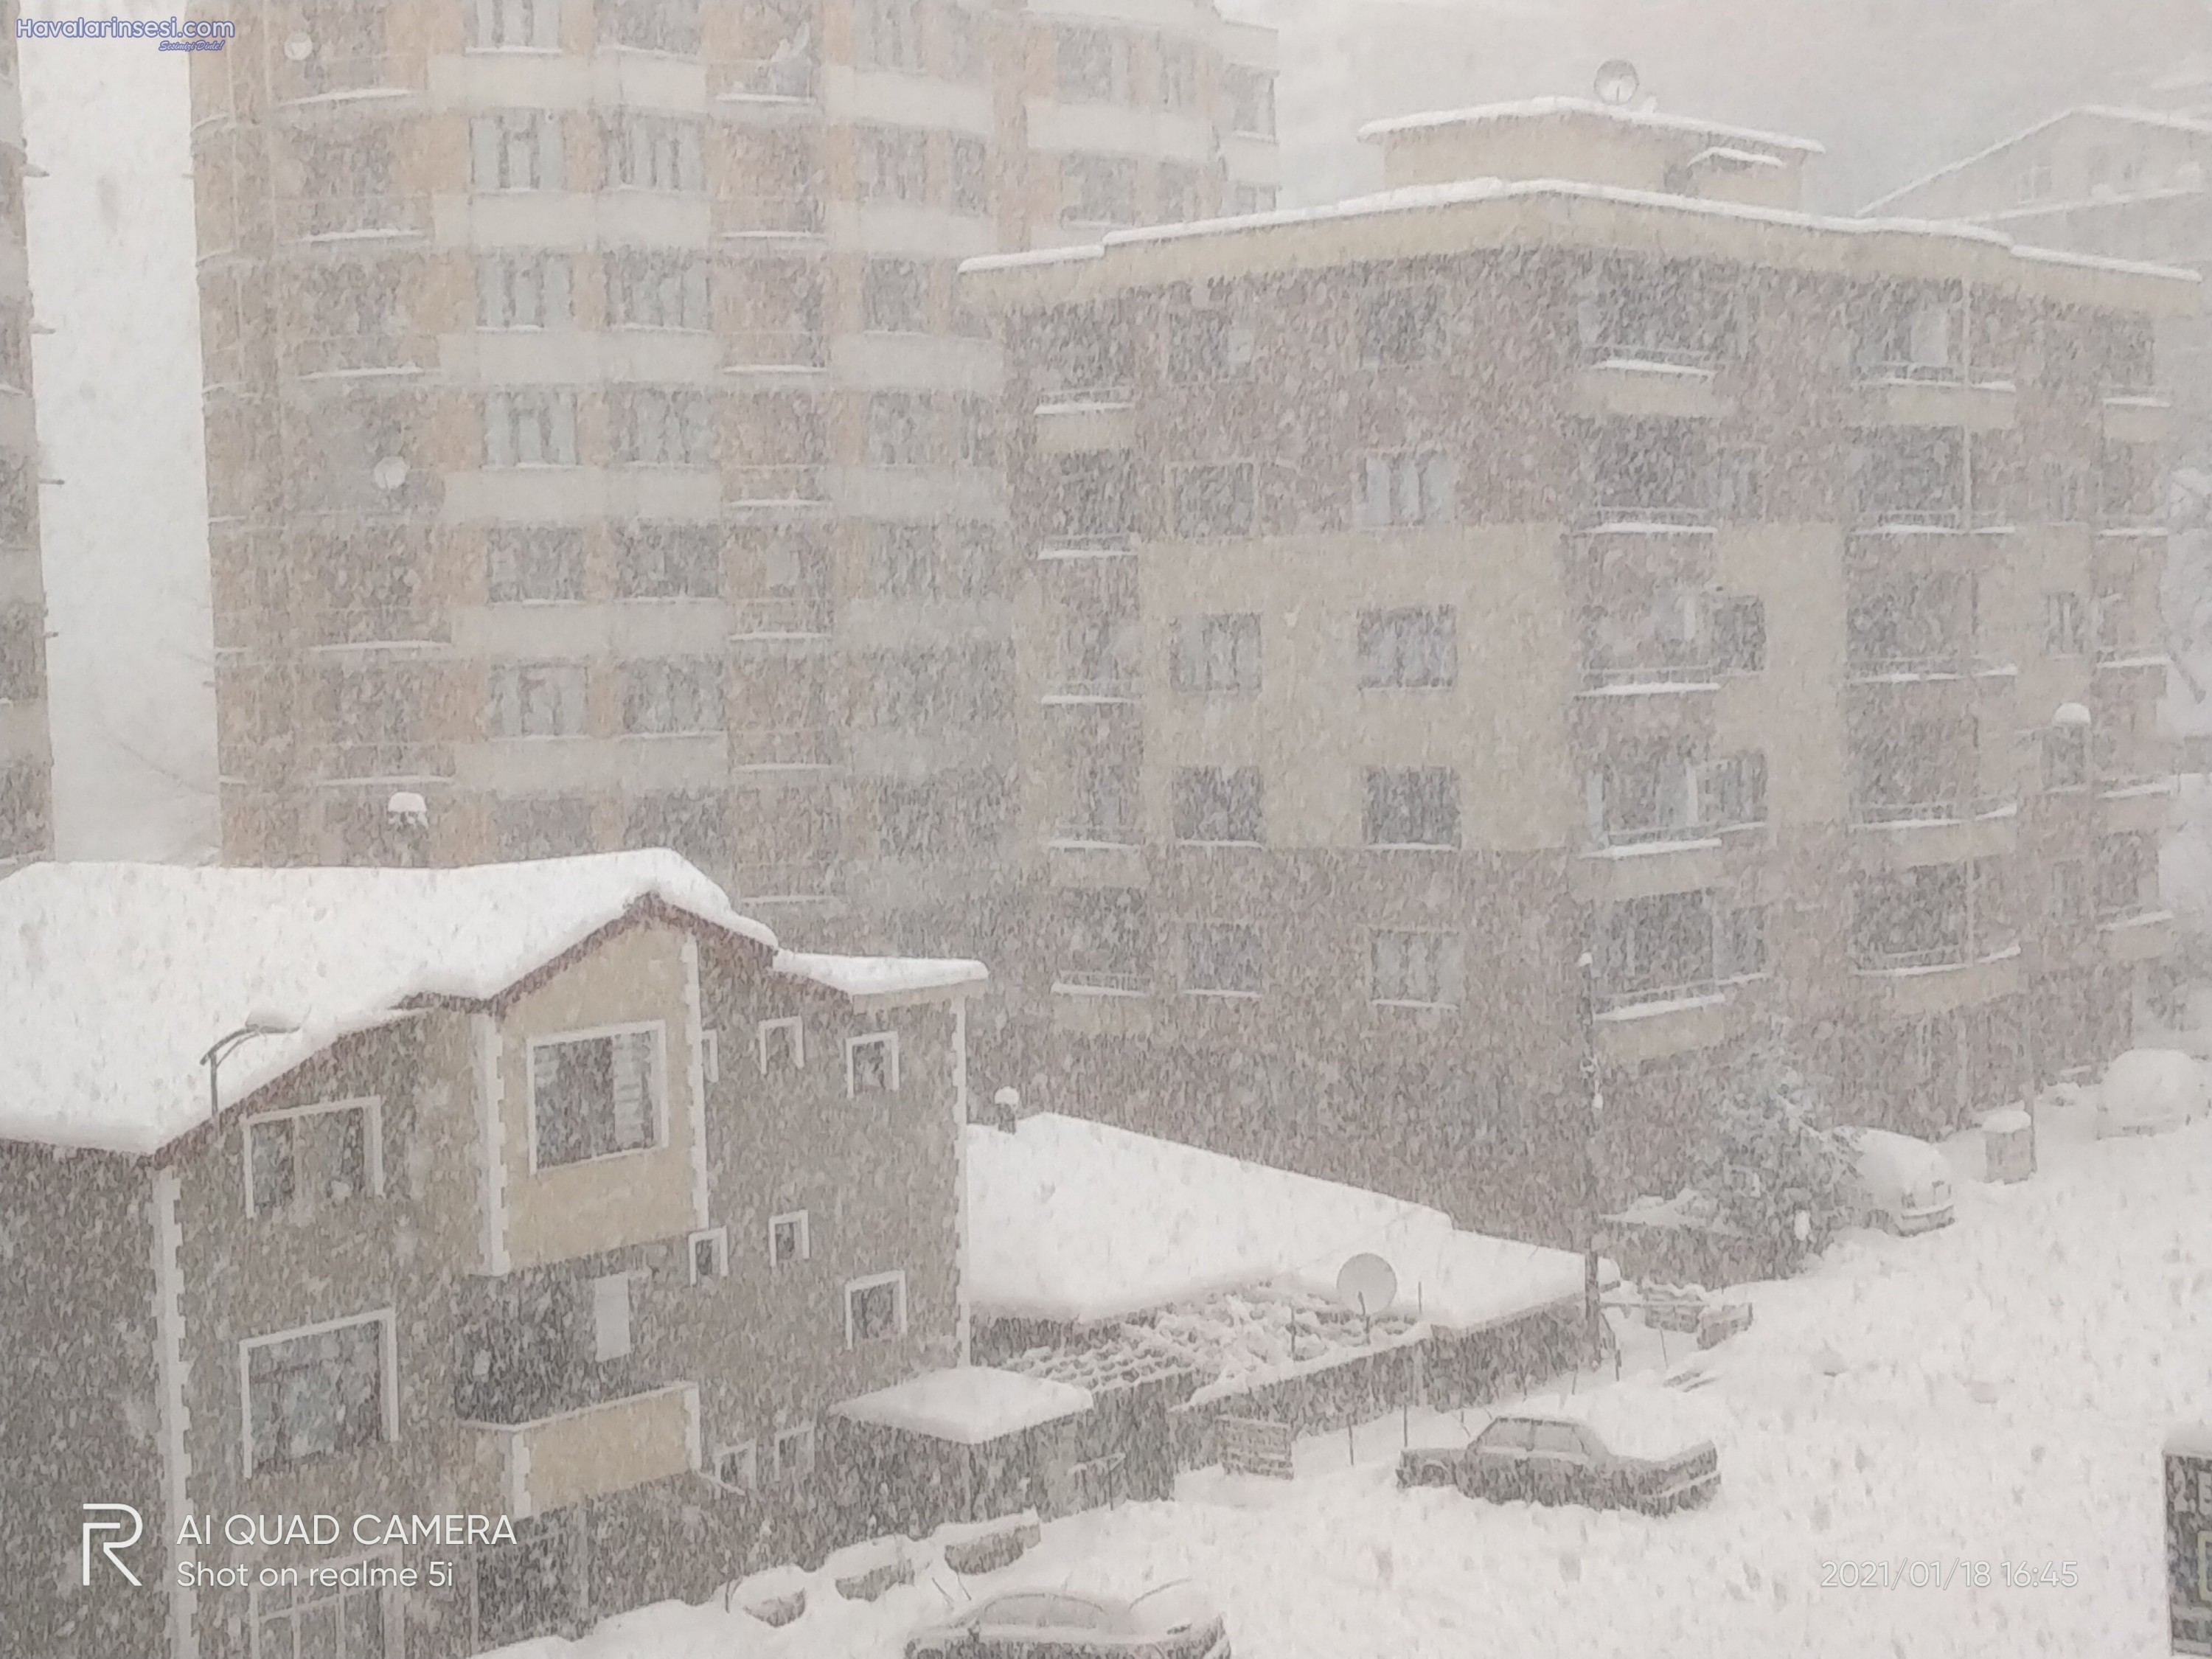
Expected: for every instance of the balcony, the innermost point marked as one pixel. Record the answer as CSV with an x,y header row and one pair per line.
x,y
381,80
786,749
1102,982
2135,805
1660,679
1911,394
354,223
1631,518
1946,831
410,629
784,87
795,489
1908,983
340,764
776,224
1088,835
553,1462
789,618
1630,379
360,356
1089,545
2144,935
1078,393
1110,691
782,354
1652,1022
1632,864
2136,417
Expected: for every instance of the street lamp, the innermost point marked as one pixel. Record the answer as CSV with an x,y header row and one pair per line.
x,y
1593,1314
257,1025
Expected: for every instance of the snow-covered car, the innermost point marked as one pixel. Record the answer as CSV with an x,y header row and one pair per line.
x,y
1562,1460
1903,1185
2148,1092
1175,1621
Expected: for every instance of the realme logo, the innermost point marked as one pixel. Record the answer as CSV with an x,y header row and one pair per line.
x,y
109,1546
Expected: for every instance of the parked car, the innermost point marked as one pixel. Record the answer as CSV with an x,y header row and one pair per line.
x,y
1175,1621
2148,1092
1903,1184
1562,1460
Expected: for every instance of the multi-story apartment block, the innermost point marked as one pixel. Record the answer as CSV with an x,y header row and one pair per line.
x,y
597,446
26,797
1503,641
573,1203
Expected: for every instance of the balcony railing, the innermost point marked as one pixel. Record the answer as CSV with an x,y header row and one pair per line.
x,y
1956,810
382,763
1615,999
349,626
1655,834
1085,394
1087,545
777,350
1912,666
361,354
776,216
795,79
803,748
1121,688
555,1462
1614,679
1618,514
352,218
797,616
1103,981
1640,353
1961,953
1081,833
799,485
376,75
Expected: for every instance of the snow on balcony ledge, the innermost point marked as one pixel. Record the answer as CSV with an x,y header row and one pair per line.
x,y
1635,1011
2139,791
1920,971
1650,688
1638,849
1650,366
1650,527
2140,919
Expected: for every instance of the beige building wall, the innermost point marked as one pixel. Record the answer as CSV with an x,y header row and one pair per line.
x,y
26,751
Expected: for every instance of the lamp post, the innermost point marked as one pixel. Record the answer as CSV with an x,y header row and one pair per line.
x,y
1593,1314
258,1025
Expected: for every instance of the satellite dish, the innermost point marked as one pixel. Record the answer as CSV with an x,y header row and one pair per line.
x,y
299,48
1617,83
1366,1284
389,473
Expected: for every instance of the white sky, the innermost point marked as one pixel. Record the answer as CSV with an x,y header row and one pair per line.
x,y
119,409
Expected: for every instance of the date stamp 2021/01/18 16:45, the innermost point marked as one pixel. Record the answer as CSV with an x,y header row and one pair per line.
x,y
1907,1572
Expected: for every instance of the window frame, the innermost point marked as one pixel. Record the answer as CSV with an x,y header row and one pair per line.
x,y
796,1025
371,1106
717,1237
1375,777
804,1229
782,1473
1192,927
1448,944
391,1557
896,1280
659,1028
749,1450
710,1054
1182,474
387,1381
1386,637
871,1039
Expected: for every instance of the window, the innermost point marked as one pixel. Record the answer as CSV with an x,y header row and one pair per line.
x,y
516,24
895,297
1097,190
894,164
531,1586
979,431
668,561
2065,493
518,150
656,428
694,823
1251,95
1093,66
961,53
1732,790
906,560
522,290
710,1054
2066,757
1414,970
794,1453
971,175
654,152
1740,946
1252,199
1218,655
1414,648
538,699
1740,484
325,1390
594,1096
1402,325
782,1043
875,1308
737,1468
1106,931
1416,487
1212,501
304,1158
1205,347
1219,804
2035,182
22,810
889,35
1221,959
666,695
1178,75
710,1254
530,428
651,289
1179,194
611,1335
650,25
871,1064
543,827
311,1618
788,1239
2068,897
1416,806
2065,630
1739,629
899,429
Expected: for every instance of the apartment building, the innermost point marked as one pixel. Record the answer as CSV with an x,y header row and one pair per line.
x,y
26,797
2125,183
575,1203
1505,641
597,447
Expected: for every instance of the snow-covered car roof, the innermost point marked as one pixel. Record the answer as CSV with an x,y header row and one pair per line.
x,y
116,978
1884,1153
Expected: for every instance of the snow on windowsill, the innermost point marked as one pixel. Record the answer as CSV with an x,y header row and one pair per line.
x,y
1046,410
2137,791
2136,400
1645,365
1651,527
1651,848
2009,953
1651,689
2142,919
1061,987
1656,1010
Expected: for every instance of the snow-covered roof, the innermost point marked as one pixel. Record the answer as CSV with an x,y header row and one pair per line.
x,y
968,1405
116,978
1537,108
1075,1221
2189,1440
2093,112
880,976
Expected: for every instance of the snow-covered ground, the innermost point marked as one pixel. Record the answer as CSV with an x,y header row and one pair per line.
x,y
1993,1393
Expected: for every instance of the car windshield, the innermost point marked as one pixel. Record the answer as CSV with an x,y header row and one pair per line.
x,y
823,821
